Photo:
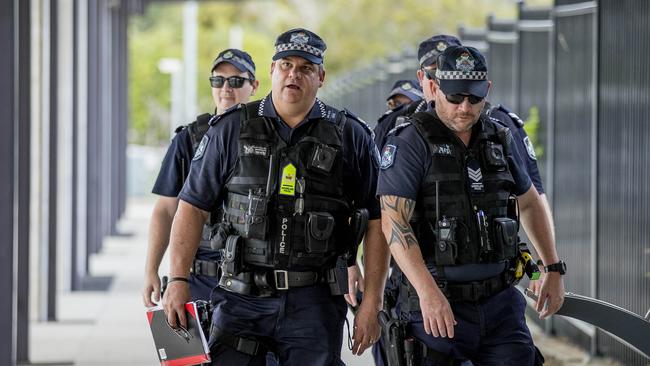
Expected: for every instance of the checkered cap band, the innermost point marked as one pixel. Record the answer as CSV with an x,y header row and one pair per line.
x,y
237,59
461,75
298,47
428,55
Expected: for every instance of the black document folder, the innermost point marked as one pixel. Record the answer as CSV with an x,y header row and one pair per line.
x,y
178,347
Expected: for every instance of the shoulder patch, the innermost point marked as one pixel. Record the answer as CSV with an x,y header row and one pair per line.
x,y
363,123
530,149
201,149
388,156
518,121
228,111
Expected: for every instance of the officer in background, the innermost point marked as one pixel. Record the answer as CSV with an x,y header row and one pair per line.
x,y
403,92
296,178
428,51
445,181
233,81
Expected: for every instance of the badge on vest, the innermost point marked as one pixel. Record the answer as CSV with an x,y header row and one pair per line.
x,y
442,149
475,176
201,149
288,182
388,156
530,148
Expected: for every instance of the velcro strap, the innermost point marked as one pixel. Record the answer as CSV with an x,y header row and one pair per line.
x,y
205,268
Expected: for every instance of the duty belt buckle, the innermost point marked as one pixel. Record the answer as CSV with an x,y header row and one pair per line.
x,y
284,275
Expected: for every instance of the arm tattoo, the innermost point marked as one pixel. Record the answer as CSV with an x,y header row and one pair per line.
x,y
399,211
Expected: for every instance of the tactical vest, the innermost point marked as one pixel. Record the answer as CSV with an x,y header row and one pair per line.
x,y
196,130
462,206
287,202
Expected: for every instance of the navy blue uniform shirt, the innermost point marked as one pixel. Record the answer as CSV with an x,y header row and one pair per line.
x,y
522,143
175,166
173,173
386,122
210,170
405,176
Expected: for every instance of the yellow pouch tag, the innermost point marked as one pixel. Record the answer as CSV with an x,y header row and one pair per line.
x,y
288,183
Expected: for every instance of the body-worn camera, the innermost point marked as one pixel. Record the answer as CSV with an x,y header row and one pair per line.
x,y
446,247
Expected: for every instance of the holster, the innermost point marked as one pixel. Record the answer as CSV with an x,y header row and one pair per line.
x,y
337,278
393,334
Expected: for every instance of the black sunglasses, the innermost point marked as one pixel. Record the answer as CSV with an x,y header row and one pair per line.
x,y
459,98
234,82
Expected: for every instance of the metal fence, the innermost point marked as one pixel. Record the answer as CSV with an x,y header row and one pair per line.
x,y
579,71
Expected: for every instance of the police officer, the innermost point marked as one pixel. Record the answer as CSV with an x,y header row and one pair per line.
x,y
296,177
428,50
233,81
445,181
403,92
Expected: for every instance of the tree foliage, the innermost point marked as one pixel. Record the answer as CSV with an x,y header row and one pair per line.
x,y
356,32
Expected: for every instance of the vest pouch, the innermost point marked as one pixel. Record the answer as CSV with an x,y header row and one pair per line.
x,y
505,237
319,229
232,258
255,218
220,235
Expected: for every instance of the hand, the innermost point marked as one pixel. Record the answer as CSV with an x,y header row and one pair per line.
x,y
551,295
151,287
177,294
355,283
366,327
437,316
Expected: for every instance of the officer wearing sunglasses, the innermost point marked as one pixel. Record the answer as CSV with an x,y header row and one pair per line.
x,y
238,68
444,185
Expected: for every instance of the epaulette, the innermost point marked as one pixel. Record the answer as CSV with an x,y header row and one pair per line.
x,y
358,119
400,123
390,112
228,111
180,128
518,121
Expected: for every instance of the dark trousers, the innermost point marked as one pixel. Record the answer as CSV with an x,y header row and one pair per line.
x,y
303,325
489,332
201,286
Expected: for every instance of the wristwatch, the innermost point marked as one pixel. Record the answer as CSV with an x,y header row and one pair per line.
x,y
556,267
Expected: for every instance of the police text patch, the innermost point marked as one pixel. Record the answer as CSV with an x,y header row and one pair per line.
x,y
442,149
201,149
255,150
388,156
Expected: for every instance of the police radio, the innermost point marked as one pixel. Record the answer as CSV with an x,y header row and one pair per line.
x,y
446,248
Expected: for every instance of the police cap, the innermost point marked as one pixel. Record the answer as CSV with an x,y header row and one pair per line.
x,y
300,42
430,48
462,70
238,58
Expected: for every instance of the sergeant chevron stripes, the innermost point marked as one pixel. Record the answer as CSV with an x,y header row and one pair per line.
x,y
475,175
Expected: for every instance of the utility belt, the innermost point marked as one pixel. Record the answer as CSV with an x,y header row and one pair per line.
x,y
264,282
457,292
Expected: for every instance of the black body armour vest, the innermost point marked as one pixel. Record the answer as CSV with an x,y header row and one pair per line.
x,y
287,202
461,211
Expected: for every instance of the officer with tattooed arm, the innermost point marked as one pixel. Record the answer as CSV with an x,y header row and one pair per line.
x,y
445,185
